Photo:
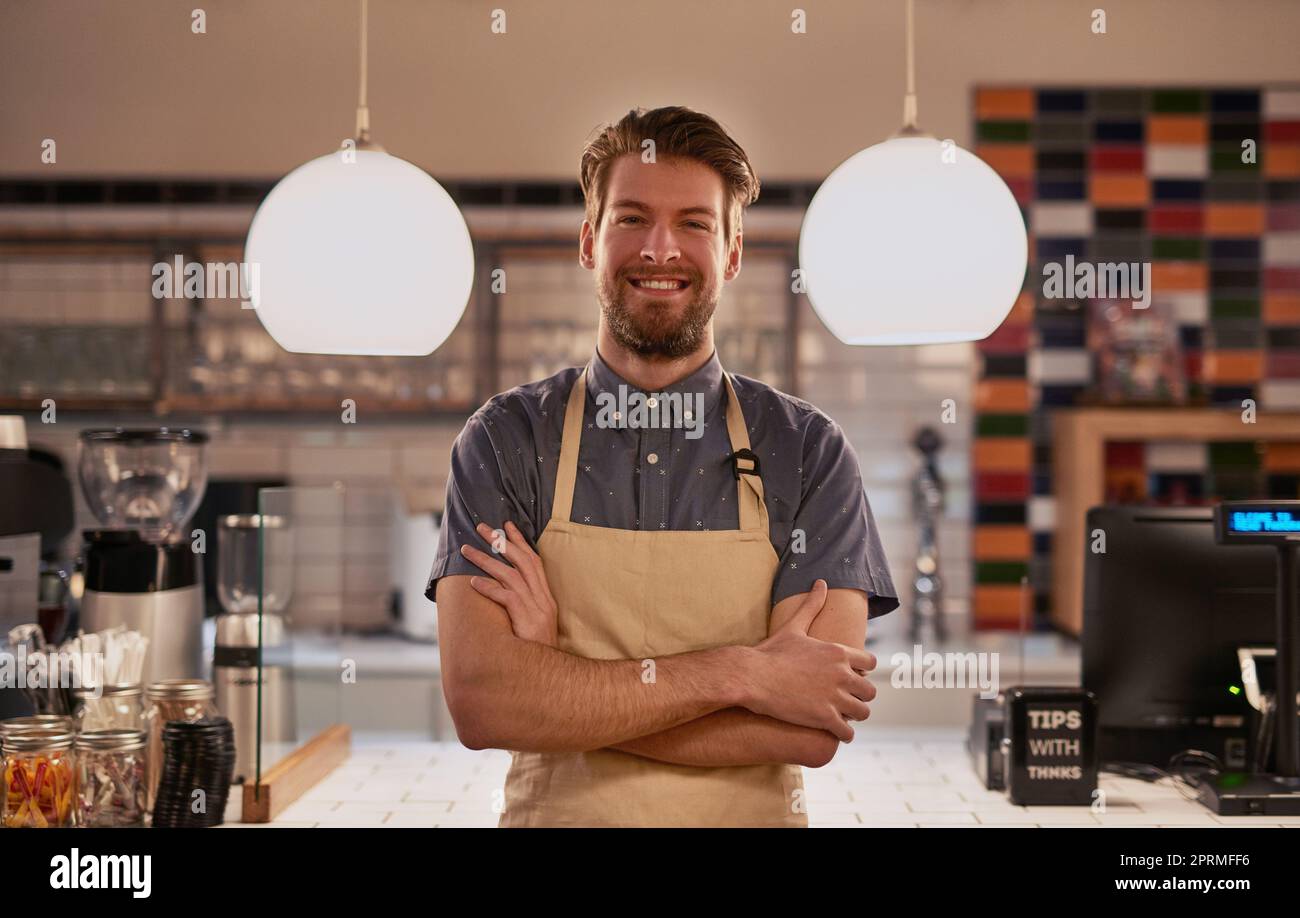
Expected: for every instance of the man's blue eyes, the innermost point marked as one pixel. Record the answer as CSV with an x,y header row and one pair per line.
x,y
689,223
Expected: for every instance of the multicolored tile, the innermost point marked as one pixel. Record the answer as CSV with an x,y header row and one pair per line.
x,y
1150,175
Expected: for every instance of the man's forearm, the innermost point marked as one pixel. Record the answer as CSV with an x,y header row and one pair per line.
x,y
738,736
735,736
536,698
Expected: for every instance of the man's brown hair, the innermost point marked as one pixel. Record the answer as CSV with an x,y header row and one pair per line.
x,y
679,132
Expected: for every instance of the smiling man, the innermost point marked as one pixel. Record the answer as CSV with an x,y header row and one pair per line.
x,y
661,628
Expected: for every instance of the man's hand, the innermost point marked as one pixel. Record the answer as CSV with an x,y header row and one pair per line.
x,y
795,678
521,590
810,682
738,736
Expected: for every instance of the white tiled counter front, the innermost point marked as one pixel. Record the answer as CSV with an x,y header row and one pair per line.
x,y
889,777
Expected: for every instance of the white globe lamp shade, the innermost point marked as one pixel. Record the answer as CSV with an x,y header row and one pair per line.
x,y
909,242
369,256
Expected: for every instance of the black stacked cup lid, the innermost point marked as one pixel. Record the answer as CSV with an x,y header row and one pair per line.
x,y
197,756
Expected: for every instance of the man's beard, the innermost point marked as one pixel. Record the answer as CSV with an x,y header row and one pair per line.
x,y
651,330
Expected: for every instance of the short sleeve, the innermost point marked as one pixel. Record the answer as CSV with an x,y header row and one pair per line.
x,y
834,534
485,485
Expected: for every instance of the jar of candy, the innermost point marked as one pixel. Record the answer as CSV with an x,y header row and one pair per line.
x,y
40,779
36,723
171,699
111,778
112,707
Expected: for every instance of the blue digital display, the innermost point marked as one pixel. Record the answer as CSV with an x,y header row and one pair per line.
x,y
1263,522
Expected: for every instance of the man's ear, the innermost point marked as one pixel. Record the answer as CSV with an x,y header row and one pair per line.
x,y
732,268
587,246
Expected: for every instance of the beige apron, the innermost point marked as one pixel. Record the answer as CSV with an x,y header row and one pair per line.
x,y
633,594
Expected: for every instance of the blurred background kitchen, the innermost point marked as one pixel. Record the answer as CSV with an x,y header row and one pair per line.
x,y
167,141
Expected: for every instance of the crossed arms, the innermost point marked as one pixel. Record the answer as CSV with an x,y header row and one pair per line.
x,y
788,699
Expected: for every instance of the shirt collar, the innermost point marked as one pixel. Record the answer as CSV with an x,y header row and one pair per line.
x,y
706,381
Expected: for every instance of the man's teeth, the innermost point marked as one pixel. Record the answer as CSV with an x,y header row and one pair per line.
x,y
660,285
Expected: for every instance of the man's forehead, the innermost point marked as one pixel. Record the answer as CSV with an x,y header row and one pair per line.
x,y
672,182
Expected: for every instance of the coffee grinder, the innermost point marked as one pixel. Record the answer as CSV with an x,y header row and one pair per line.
x,y
142,570
251,662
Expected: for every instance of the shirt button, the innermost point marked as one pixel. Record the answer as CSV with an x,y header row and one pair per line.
x,y
652,458
652,402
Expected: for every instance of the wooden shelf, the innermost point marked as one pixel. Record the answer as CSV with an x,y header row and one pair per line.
x,y
78,403
1079,440
195,404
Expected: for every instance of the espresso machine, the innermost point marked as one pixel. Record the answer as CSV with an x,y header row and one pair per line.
x,y
143,570
36,516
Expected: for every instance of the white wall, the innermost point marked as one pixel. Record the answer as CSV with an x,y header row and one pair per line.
x,y
125,88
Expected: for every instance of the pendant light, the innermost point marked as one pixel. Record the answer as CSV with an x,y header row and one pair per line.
x,y
912,241
360,252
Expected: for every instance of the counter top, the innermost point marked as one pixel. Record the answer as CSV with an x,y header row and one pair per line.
x,y
888,777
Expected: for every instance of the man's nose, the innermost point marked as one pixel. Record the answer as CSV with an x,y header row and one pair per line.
x,y
660,245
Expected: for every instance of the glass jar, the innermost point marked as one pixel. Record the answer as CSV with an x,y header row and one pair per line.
x,y
35,723
58,722
40,779
115,707
112,778
171,699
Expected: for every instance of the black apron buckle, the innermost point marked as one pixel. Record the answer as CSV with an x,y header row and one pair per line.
x,y
747,454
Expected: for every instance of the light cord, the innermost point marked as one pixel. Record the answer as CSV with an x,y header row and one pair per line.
x,y
909,99
363,109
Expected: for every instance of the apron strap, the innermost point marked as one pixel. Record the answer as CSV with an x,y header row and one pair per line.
x,y
567,474
749,487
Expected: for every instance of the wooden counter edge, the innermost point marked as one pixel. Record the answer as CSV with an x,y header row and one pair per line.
x,y
297,773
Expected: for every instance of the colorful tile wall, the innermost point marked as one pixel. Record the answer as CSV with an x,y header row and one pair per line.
x,y
1137,175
